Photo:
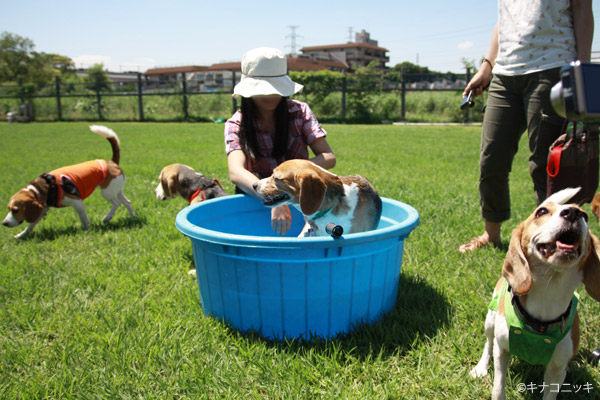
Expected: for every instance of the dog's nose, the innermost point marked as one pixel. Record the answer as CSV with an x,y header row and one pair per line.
x,y
255,186
572,214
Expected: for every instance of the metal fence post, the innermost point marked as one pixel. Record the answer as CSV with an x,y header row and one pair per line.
x,y
98,98
58,104
468,109
21,91
186,116
344,99
403,97
140,101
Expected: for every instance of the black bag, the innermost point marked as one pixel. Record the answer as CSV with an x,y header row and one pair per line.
x,y
573,161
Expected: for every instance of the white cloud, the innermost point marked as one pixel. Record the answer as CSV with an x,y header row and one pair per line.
x,y
465,45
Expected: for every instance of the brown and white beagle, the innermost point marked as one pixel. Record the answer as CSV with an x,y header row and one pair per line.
x,y
323,197
69,186
533,314
179,179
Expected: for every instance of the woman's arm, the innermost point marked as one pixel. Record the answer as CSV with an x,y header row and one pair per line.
x,y
583,23
239,175
281,217
481,79
324,156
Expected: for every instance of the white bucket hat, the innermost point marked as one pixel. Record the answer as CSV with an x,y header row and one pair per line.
x,y
264,72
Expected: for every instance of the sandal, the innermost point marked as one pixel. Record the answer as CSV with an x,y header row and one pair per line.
x,y
476,243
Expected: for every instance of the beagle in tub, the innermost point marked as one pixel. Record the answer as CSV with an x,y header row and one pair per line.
x,y
322,197
533,313
69,186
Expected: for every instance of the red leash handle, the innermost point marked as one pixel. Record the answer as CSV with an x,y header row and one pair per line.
x,y
554,162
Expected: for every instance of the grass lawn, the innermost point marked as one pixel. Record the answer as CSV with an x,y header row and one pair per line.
x,y
112,313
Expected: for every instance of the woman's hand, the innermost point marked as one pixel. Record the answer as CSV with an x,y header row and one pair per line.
x,y
281,219
480,81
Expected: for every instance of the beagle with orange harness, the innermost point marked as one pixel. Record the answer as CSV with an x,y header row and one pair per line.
x,y
179,179
533,313
323,197
69,186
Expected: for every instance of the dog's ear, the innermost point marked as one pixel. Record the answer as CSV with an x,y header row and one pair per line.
x,y
312,191
516,268
33,210
591,268
169,184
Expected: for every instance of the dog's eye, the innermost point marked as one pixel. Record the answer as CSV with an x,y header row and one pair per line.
x,y
542,211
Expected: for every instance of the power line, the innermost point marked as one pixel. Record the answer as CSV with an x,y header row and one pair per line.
x,y
350,34
293,37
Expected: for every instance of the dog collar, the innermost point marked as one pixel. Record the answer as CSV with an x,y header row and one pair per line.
x,y
33,189
537,325
321,213
201,191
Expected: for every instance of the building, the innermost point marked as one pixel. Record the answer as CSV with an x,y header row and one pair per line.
x,y
224,76
359,53
157,78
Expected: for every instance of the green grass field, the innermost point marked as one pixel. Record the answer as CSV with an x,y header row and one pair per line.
x,y
111,313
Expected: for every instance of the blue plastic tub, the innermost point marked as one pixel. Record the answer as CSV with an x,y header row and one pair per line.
x,y
290,287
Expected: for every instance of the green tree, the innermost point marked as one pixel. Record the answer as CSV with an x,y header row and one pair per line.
x,y
19,61
318,83
14,57
97,79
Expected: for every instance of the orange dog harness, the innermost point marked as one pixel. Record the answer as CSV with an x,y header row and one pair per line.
x,y
85,176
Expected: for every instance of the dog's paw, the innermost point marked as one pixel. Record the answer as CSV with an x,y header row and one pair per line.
x,y
21,235
479,371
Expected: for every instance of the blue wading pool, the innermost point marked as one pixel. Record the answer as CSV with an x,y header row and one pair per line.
x,y
290,287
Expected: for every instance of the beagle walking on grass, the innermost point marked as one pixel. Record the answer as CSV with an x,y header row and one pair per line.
x,y
69,186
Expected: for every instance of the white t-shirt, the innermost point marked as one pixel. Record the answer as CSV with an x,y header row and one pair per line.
x,y
534,35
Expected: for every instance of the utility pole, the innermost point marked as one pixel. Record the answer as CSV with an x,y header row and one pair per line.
x,y
293,37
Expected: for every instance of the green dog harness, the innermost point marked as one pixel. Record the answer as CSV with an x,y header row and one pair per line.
x,y
529,339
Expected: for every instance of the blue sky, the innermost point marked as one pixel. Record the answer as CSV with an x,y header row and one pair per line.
x,y
137,35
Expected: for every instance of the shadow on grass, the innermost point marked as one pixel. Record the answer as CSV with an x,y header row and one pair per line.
x,y
420,311
47,233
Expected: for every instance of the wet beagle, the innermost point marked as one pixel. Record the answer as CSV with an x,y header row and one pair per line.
x,y
179,179
323,197
69,186
533,313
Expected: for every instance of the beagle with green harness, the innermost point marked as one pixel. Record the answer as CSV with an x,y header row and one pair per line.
x,y
533,313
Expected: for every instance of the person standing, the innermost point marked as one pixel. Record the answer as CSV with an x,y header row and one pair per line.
x,y
531,41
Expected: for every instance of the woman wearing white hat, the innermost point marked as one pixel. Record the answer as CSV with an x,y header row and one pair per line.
x,y
270,128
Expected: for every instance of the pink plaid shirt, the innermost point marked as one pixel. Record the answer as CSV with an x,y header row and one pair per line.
x,y
304,129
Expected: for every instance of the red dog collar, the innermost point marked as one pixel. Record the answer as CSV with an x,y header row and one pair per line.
x,y
201,192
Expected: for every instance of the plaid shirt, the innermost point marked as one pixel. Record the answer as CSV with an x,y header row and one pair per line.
x,y
304,129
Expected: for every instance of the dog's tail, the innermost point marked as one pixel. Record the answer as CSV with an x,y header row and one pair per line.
x,y
112,138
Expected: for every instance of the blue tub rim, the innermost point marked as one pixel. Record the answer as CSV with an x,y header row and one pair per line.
x,y
396,229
